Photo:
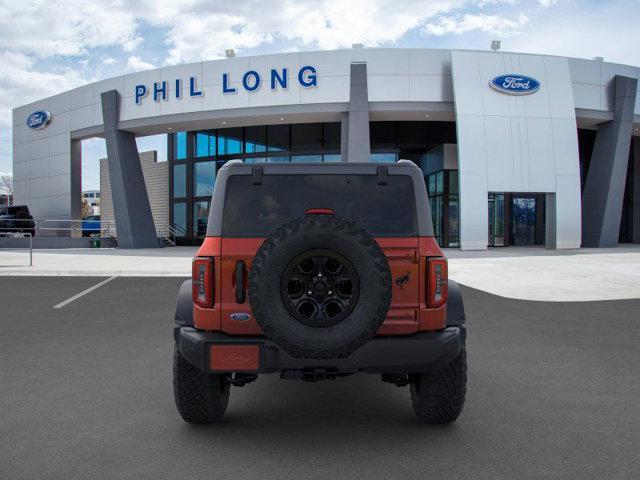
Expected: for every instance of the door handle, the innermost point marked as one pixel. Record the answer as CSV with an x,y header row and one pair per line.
x,y
240,293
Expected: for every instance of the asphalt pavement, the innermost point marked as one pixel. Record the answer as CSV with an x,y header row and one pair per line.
x,y
85,392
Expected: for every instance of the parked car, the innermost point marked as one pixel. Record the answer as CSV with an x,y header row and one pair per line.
x,y
17,219
91,225
315,272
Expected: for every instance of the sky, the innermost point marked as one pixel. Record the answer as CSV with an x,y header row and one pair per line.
x,y
48,47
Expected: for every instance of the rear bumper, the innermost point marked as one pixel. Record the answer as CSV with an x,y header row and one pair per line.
x,y
420,352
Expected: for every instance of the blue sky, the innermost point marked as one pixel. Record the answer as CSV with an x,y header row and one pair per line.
x,y
48,49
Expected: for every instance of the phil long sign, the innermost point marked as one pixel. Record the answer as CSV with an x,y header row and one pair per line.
x,y
515,84
250,81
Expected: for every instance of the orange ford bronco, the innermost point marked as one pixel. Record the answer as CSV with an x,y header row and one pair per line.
x,y
317,271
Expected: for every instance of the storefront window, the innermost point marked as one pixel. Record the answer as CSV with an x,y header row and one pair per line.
x,y
306,137
278,137
383,157
180,180
229,141
336,157
205,144
255,139
180,217
204,177
180,146
332,137
200,218
306,158
277,159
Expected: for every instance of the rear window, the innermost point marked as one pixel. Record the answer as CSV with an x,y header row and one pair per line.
x,y
382,210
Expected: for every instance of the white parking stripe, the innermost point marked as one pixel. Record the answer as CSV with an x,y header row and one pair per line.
x,y
84,292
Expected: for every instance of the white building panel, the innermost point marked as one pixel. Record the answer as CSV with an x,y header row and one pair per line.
x,y
39,167
388,88
430,88
430,62
212,71
530,122
329,64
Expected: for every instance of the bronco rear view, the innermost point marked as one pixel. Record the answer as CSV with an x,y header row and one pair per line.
x,y
317,271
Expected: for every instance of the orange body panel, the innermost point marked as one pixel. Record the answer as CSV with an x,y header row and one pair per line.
x,y
407,260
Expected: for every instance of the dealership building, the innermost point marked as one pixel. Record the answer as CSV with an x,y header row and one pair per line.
x,y
516,149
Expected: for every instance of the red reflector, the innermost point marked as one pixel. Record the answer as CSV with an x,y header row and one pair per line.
x,y
437,282
202,281
234,358
320,211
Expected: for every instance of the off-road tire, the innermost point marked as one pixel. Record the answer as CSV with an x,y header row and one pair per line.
x,y
200,397
308,233
438,397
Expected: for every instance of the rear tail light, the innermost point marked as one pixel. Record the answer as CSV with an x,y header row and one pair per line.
x,y
202,281
320,211
437,282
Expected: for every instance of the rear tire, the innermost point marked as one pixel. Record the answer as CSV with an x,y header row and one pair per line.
x,y
438,397
200,397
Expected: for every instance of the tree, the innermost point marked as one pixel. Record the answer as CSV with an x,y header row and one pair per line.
x,y
86,208
6,186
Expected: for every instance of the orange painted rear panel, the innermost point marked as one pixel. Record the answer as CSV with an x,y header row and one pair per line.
x,y
406,256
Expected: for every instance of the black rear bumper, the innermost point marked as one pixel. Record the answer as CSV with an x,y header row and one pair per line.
x,y
420,352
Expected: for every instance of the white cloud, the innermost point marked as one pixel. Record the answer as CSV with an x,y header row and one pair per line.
x,y
547,3
214,26
135,63
21,83
491,24
71,27
108,61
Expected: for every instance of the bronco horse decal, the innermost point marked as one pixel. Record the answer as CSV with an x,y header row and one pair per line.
x,y
403,279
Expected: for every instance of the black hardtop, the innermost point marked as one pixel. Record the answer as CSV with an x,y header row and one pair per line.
x,y
381,171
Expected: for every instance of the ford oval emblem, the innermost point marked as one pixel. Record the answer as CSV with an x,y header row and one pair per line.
x,y
240,316
515,84
38,119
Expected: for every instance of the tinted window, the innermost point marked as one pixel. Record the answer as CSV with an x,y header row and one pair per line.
x,y
204,177
256,210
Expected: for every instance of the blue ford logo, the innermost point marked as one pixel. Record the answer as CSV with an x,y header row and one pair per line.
x,y
240,316
38,119
515,84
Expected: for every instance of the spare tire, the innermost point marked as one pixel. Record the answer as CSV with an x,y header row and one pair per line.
x,y
320,287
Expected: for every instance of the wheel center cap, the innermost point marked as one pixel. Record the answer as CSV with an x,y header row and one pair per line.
x,y
319,287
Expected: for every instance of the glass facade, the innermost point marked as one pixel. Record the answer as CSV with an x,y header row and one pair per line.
x,y
196,156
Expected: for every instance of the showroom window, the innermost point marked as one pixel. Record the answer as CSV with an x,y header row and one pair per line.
x,y
204,177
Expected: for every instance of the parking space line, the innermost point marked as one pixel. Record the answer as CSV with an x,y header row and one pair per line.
x,y
83,293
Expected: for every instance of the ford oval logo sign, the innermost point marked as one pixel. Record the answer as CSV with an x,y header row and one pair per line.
x,y
240,316
38,119
515,84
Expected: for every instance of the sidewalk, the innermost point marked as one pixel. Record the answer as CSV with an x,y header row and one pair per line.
x,y
154,262
521,273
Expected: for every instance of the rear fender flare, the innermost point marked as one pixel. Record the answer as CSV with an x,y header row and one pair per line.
x,y
184,306
455,306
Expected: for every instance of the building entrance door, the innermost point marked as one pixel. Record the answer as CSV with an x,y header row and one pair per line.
x,y
523,220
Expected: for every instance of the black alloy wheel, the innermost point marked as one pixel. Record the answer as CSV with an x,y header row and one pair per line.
x,y
319,287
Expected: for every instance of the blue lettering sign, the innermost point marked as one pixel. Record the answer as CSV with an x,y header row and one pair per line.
x,y
251,82
311,79
157,90
515,84
251,86
225,84
192,88
275,77
141,92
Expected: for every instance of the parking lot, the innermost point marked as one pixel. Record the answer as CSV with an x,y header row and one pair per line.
x,y
85,392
